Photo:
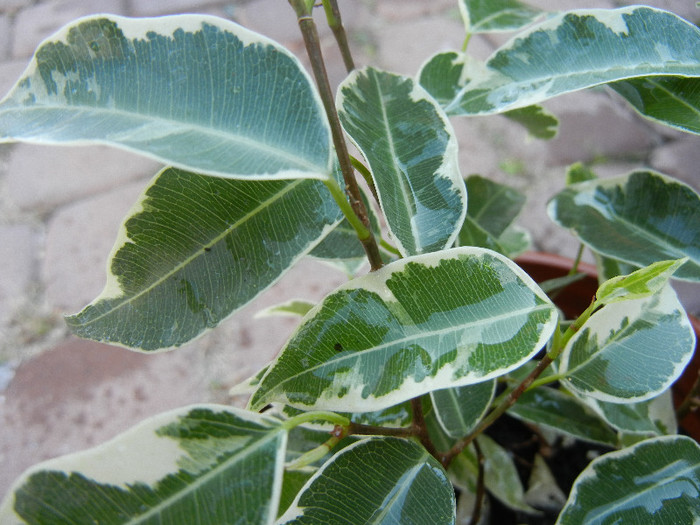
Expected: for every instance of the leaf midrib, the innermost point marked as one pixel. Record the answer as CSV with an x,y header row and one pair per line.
x,y
264,148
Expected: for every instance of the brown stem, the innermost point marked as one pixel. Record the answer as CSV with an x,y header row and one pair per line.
x,y
371,430
420,428
336,25
691,400
480,486
447,457
313,49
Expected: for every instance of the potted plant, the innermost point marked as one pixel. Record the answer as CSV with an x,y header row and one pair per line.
x,y
377,407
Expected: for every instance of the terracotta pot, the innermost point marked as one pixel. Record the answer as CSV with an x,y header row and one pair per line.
x,y
576,297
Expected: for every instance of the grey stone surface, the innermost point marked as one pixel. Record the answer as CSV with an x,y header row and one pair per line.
x,y
79,239
36,22
41,178
62,208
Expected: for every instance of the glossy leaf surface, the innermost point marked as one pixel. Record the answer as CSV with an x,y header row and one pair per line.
x,y
674,101
193,91
639,284
655,416
459,409
487,16
655,482
639,218
630,351
387,337
411,150
376,480
565,53
563,413
205,464
196,248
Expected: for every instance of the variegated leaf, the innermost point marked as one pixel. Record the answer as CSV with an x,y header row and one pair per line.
x,y
568,52
630,351
411,150
195,248
204,464
194,91
376,480
489,16
656,482
459,409
639,218
389,336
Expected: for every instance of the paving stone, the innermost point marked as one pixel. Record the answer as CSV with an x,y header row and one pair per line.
x,y
79,239
5,36
593,125
11,6
35,23
10,72
18,265
404,47
168,7
399,10
40,178
680,159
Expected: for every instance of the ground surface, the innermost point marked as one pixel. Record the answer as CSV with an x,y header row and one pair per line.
x,y
60,209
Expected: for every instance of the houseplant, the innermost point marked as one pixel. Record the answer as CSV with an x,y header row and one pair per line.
x,y
440,338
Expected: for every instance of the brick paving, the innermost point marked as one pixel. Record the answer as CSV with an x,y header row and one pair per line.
x,y
60,209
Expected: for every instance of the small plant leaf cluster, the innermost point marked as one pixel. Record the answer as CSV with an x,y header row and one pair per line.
x,y
375,409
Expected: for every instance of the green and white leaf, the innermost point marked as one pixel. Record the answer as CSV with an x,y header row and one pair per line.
x,y
579,172
656,482
492,209
194,91
655,416
411,150
291,308
563,413
459,409
565,53
538,122
377,480
194,249
205,464
674,101
639,284
639,218
630,351
387,337
490,16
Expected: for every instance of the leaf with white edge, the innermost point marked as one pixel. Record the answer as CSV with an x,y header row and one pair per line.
x,y
490,16
608,268
639,284
630,351
459,409
292,308
563,413
655,416
411,150
292,483
656,482
639,218
569,52
205,464
195,248
673,101
539,122
376,480
194,91
387,337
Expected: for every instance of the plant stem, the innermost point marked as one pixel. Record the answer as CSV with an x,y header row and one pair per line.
x,y
313,49
371,430
313,455
339,197
480,486
421,428
308,417
336,25
691,401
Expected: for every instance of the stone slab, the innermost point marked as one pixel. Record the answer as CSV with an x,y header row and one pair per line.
x,y
37,22
42,178
19,247
679,158
79,239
